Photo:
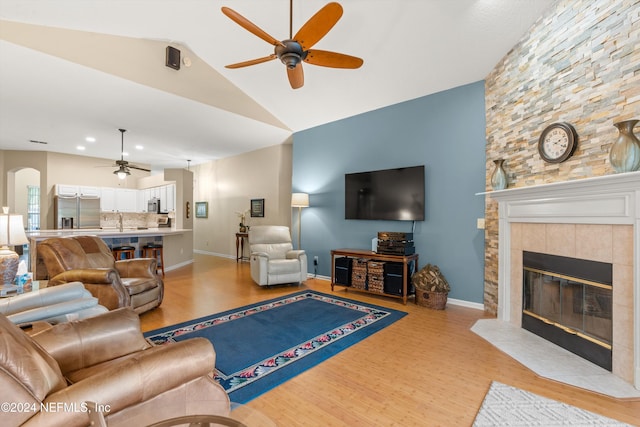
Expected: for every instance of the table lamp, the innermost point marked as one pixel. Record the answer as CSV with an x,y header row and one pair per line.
x,y
11,234
299,200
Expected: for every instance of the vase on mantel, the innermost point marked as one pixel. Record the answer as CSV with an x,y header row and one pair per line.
x,y
499,176
625,151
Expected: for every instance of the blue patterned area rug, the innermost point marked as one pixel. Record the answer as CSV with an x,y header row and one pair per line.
x,y
509,406
260,346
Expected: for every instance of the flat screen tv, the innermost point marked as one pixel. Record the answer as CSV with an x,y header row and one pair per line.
x,y
390,194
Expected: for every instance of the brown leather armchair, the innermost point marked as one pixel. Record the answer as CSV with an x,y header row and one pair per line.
x,y
46,378
87,259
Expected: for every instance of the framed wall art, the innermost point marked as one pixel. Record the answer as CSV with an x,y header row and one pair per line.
x,y
257,208
202,209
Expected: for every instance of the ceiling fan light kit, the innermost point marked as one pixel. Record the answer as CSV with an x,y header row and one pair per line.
x,y
290,53
122,172
297,48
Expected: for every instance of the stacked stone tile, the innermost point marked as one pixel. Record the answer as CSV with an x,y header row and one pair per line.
x,y
580,63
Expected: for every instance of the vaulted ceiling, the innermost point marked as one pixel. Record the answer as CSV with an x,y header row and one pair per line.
x,y
73,69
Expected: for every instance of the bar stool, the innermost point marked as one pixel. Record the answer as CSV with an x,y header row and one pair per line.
x,y
123,252
154,250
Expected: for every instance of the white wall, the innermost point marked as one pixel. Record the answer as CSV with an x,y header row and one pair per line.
x,y
228,185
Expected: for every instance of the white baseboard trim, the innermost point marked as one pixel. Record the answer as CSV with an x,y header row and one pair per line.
x,y
463,303
312,276
176,266
198,251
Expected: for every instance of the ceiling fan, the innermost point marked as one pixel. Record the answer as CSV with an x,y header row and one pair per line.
x,y
123,165
297,48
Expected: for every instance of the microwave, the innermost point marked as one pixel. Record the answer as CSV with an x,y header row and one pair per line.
x,y
153,205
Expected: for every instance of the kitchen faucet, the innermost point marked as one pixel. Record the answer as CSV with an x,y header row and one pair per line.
x,y
120,221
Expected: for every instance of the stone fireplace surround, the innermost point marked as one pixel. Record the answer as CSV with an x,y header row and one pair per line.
x,y
593,218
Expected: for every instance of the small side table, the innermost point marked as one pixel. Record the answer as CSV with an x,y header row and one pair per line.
x,y
240,238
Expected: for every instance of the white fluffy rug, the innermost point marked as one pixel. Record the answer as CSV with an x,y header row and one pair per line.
x,y
509,406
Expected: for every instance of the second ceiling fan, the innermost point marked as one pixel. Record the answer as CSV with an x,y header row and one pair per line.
x,y
297,48
123,166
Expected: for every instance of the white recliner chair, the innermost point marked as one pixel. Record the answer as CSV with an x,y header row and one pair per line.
x,y
273,260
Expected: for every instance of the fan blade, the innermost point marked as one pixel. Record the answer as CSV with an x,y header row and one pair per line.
x,y
325,58
252,62
250,26
318,25
296,76
139,168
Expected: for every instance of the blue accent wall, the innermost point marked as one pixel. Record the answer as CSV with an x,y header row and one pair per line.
x,y
446,133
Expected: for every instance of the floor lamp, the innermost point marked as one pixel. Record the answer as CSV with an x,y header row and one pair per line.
x,y
299,200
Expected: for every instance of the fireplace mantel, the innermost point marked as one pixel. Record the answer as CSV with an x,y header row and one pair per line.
x,y
610,199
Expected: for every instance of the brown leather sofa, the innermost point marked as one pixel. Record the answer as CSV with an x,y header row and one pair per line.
x,y
87,259
46,378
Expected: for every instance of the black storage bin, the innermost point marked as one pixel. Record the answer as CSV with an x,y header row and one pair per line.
x,y
342,274
393,278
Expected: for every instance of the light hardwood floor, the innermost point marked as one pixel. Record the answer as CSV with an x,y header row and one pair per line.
x,y
428,369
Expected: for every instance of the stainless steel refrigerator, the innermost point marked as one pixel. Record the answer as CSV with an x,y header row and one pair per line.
x,y
76,212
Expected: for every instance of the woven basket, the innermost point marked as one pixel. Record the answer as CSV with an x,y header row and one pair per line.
x,y
433,300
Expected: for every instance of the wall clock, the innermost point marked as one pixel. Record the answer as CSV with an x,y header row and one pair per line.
x,y
557,142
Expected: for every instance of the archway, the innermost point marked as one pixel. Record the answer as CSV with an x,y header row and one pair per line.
x,y
23,195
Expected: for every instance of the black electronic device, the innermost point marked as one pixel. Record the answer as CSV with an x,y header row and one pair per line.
x,y
172,58
395,243
396,250
395,236
393,278
343,271
390,194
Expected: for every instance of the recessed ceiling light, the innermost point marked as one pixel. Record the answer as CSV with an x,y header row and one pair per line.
x,y
124,153
139,147
90,139
80,147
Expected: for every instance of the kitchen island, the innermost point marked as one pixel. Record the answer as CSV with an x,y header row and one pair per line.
x,y
177,243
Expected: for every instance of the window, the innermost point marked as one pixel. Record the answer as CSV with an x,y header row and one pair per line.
x,y
33,207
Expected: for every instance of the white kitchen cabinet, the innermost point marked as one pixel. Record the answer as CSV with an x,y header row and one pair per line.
x,y
142,203
126,200
171,198
118,200
67,190
143,198
77,190
163,198
108,199
89,191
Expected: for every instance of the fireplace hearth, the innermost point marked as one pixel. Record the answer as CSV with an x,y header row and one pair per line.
x,y
568,301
